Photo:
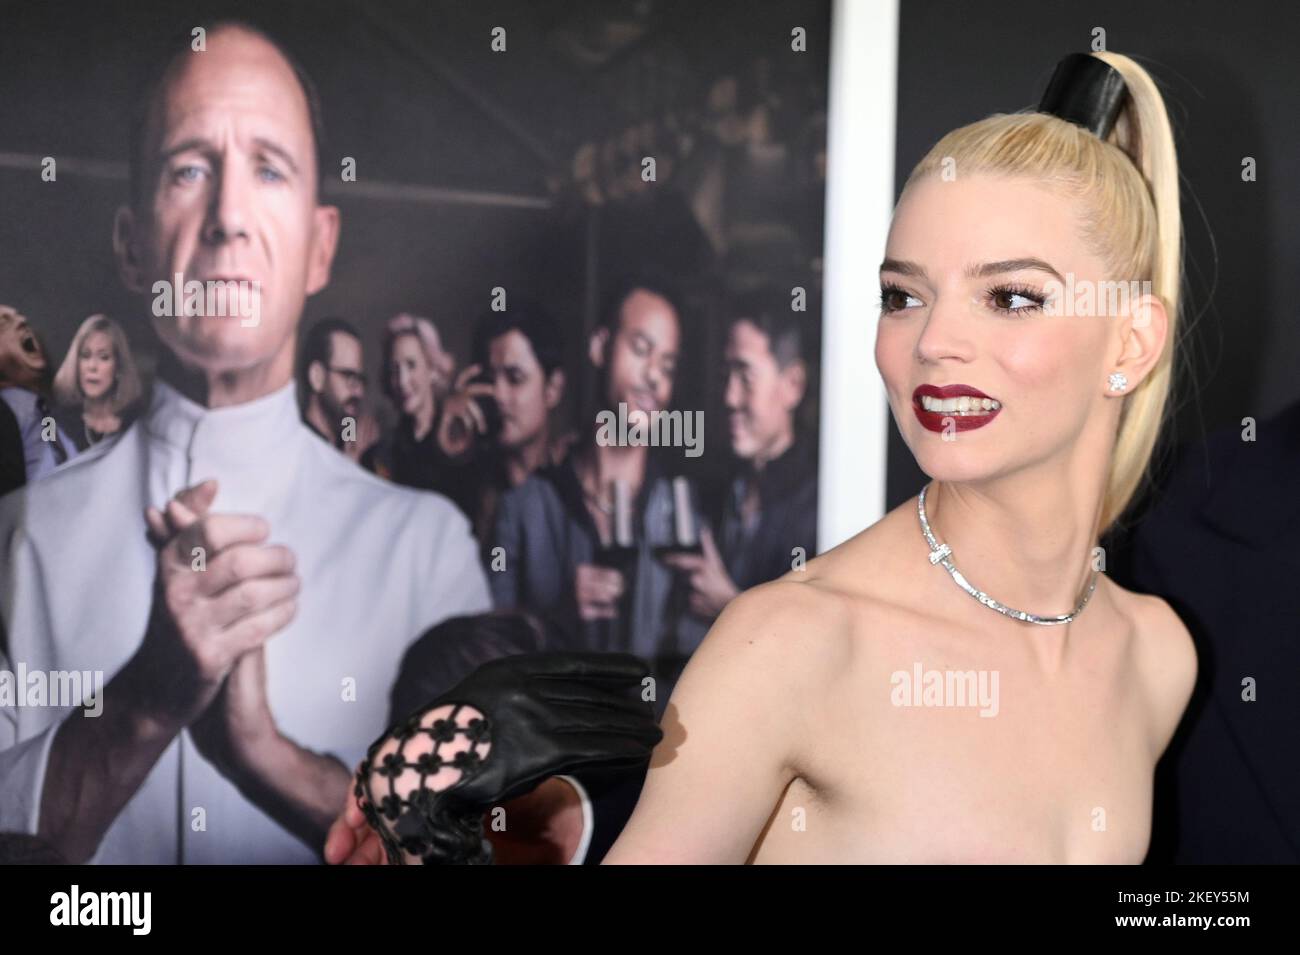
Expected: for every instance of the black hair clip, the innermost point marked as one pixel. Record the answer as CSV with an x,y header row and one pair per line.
x,y
1086,91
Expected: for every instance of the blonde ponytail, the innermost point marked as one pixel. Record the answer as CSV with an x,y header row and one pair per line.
x,y
1144,134
1128,186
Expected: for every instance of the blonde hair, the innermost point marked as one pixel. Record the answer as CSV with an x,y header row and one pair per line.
x,y
1128,186
126,380
426,333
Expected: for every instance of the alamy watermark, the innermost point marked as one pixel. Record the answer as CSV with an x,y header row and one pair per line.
x,y
1085,298
946,688
230,298
653,429
54,688
133,910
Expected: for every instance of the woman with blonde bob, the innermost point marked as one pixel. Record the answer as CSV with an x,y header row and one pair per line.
x,y
957,683
97,383
417,376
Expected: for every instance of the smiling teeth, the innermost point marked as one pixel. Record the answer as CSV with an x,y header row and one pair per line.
x,y
966,404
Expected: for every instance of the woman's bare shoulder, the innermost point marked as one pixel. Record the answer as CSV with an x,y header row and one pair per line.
x,y
803,629
1163,637
1166,656
810,620
799,616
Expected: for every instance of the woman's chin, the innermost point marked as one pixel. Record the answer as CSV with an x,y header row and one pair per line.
x,y
953,466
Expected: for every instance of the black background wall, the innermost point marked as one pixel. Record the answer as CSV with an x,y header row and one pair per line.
x,y
1231,77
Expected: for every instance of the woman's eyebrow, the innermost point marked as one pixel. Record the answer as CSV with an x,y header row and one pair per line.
x,y
912,269
1012,265
902,268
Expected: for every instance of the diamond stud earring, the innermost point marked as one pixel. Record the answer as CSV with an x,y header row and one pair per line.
x,y
1118,381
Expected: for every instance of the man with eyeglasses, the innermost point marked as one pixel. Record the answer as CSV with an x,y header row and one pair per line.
x,y
332,387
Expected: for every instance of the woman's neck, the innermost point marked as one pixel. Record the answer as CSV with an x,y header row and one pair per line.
x,y
1026,540
98,409
422,419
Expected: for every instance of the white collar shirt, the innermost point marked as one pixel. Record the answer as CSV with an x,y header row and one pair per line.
x,y
379,565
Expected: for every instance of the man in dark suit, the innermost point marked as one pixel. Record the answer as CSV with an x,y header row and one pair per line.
x,y
13,470
1220,545
766,514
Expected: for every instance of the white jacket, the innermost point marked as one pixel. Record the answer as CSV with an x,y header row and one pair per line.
x,y
379,565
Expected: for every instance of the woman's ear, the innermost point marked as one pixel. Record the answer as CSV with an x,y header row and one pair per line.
x,y
125,250
1142,335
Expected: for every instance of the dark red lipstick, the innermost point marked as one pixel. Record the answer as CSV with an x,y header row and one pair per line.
x,y
953,419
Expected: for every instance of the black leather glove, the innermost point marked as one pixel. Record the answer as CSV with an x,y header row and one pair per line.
x,y
511,724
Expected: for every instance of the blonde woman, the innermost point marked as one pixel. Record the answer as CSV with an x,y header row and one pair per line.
x,y
417,375
957,683
97,383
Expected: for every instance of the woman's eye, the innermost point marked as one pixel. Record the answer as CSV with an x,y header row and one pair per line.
x,y
1016,300
893,299
269,174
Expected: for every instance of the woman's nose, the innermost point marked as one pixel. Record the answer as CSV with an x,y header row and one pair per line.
x,y
945,332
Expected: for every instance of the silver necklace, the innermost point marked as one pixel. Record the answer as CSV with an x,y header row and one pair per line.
x,y
942,554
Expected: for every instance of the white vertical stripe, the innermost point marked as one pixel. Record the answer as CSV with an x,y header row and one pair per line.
x,y
859,202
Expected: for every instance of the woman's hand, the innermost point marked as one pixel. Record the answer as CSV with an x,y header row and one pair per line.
x,y
509,726
543,827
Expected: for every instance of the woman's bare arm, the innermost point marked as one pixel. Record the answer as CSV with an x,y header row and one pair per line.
x,y
734,729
